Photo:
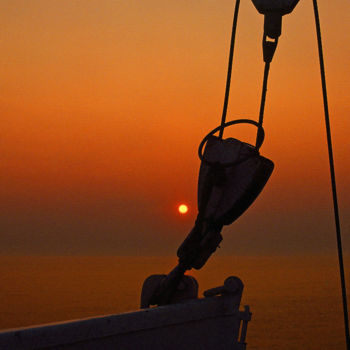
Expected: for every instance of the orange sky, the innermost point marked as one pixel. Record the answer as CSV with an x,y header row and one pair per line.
x,y
103,104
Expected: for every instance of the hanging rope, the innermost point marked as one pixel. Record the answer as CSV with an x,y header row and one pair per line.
x,y
332,172
269,48
263,93
262,102
229,69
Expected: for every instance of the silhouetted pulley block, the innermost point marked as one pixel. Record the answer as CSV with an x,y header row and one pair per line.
x,y
278,6
233,188
231,176
273,11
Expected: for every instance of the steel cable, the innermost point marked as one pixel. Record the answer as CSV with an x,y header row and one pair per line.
x,y
229,69
332,173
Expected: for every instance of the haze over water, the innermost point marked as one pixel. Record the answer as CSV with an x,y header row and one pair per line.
x,y
295,301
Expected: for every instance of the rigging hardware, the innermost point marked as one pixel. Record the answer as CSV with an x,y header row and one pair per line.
x,y
232,175
205,237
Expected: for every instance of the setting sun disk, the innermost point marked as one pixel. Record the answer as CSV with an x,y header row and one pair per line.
x,y
183,208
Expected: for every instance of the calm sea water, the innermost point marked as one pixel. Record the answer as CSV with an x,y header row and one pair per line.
x,y
296,301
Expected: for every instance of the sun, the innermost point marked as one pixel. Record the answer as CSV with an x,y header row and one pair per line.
x,y
183,209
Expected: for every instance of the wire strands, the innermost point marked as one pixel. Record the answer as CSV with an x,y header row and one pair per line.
x,y
263,99
229,68
332,173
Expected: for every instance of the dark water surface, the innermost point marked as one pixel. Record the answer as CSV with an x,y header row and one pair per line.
x,y
296,301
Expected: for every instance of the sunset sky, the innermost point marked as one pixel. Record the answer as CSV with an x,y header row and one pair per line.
x,y
104,103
